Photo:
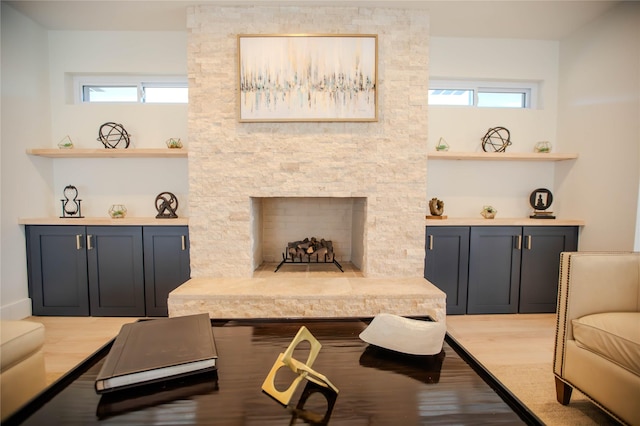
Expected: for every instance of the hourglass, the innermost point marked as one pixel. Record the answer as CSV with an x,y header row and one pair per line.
x,y
71,203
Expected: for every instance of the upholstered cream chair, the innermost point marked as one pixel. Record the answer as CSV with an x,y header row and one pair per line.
x,y
597,348
22,375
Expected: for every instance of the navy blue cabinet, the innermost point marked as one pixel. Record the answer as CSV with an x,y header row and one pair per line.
x,y
57,270
446,264
166,264
509,269
494,270
85,270
116,277
541,248
105,270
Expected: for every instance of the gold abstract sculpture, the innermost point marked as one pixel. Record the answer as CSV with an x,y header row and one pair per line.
x,y
436,207
302,369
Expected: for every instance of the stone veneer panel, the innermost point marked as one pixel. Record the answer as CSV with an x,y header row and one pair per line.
x,y
307,297
383,161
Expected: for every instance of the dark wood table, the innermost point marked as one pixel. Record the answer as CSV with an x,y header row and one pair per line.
x,y
376,386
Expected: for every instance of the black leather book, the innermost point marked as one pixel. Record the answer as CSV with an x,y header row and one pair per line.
x,y
155,350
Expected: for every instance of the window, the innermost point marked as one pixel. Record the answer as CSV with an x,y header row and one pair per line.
x,y
109,94
460,97
131,89
494,94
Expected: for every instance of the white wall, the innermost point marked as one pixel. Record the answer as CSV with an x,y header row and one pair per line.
x,y
37,112
103,182
599,116
466,186
26,181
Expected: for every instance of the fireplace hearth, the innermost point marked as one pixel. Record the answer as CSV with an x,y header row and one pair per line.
x,y
309,250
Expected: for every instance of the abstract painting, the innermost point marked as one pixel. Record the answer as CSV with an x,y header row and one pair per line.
x,y
303,77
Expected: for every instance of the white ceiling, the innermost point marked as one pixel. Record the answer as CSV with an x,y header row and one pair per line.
x,y
530,19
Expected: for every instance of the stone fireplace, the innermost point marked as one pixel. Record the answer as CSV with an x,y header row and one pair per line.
x,y
371,174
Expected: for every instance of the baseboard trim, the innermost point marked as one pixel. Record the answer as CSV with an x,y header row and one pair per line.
x,y
16,310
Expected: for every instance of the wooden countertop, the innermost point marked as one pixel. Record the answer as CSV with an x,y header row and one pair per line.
x,y
104,221
509,221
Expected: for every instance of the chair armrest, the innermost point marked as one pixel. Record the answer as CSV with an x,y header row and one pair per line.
x,y
594,282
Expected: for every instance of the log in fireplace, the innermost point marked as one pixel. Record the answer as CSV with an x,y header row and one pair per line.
x,y
309,250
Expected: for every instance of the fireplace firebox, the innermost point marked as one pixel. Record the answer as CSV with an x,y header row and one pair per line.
x,y
309,250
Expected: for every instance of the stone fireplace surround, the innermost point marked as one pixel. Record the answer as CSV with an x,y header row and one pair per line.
x,y
235,166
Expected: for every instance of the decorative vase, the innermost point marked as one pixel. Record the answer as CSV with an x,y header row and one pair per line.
x,y
117,211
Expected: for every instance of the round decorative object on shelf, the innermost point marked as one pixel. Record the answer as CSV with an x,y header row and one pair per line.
x,y
117,211
540,200
166,205
497,139
113,134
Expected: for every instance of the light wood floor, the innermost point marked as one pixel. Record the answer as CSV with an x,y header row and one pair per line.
x,y
495,340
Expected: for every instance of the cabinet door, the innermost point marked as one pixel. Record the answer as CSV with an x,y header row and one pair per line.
x,y
166,264
57,270
116,277
542,246
446,264
494,269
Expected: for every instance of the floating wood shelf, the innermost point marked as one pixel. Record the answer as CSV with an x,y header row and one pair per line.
x,y
109,153
501,156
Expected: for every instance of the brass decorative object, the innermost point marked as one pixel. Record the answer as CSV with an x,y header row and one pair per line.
x,y
303,371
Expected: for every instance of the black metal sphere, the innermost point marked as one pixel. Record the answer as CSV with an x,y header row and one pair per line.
x,y
496,138
113,134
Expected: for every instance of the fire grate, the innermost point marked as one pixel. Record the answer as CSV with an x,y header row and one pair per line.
x,y
309,250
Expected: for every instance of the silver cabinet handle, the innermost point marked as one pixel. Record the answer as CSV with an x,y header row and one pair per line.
x,y
89,247
430,242
528,242
79,242
184,242
519,243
